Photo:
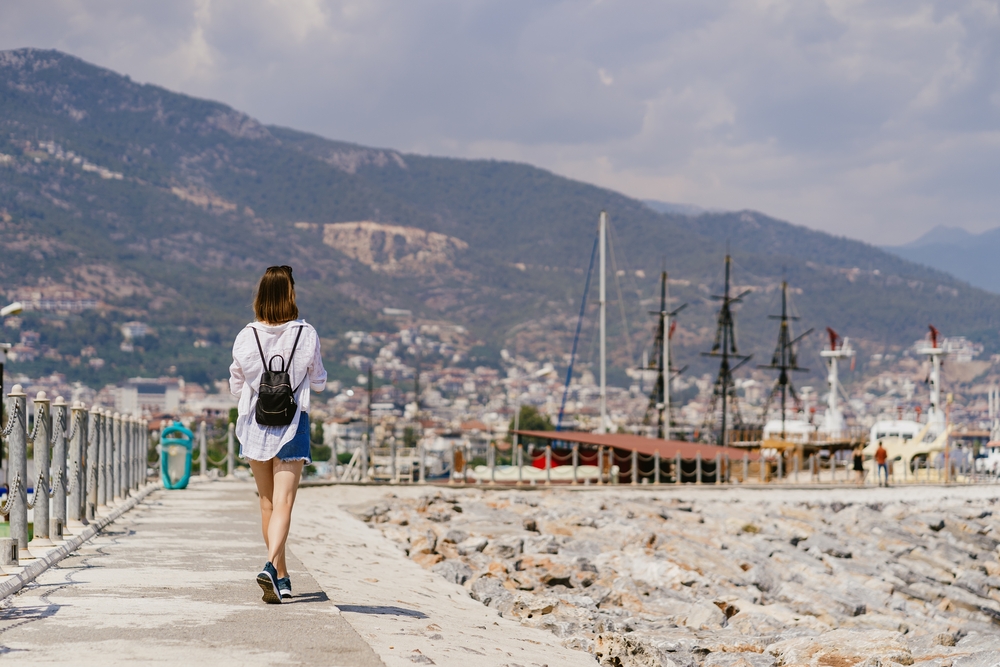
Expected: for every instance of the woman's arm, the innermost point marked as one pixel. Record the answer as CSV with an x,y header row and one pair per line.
x,y
317,374
236,377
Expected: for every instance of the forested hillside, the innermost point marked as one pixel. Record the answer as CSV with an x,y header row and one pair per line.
x,y
165,209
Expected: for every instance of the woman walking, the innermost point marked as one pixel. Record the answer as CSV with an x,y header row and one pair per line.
x,y
276,364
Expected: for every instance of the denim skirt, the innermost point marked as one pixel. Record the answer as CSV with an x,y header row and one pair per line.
x,y
297,449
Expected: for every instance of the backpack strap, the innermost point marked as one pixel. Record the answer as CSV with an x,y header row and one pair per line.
x,y
294,345
259,348
285,366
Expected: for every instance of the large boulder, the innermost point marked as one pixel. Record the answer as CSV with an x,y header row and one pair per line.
x,y
454,571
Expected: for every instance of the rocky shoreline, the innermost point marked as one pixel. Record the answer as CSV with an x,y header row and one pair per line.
x,y
720,579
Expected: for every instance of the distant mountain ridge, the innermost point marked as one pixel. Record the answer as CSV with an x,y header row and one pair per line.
x,y
974,258
166,208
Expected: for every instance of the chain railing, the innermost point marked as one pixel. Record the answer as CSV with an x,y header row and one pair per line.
x,y
80,473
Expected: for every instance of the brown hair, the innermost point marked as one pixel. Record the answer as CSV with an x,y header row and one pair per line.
x,y
274,302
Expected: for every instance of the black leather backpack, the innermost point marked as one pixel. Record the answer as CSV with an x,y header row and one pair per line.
x,y
276,397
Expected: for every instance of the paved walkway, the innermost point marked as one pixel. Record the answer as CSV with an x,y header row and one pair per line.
x,y
172,581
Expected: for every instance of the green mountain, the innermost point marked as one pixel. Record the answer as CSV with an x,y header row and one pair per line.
x,y
166,208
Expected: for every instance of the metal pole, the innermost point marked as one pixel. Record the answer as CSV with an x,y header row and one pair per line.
x,y
202,451
600,465
746,468
231,450
77,471
140,466
576,461
656,467
635,467
520,464
603,302
451,454
678,471
781,465
493,463
420,461
43,430
17,447
718,468
697,467
548,464
58,466
392,458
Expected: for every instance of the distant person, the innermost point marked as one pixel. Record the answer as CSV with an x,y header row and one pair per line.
x,y
273,421
883,467
859,466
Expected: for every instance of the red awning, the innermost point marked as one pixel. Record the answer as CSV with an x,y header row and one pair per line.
x,y
643,445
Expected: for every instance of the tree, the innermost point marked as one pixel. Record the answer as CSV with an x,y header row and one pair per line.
x,y
530,420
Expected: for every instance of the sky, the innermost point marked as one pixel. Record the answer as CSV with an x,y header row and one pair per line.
x,y
873,120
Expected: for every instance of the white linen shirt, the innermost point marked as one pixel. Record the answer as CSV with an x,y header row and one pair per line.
x,y
262,443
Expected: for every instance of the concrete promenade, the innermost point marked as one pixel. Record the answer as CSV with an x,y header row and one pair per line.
x,y
172,581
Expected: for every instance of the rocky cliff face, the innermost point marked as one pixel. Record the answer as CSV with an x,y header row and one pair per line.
x,y
393,249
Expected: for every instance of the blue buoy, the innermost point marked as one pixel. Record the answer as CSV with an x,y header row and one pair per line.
x,y
176,446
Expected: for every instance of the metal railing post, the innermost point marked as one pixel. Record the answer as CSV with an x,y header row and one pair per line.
x,y
119,473
93,470
231,451
548,464
656,467
393,470
136,453
102,459
202,451
493,463
697,467
75,466
678,471
576,462
420,461
17,483
146,438
43,430
635,467
128,463
718,468
746,468
600,465
520,463
57,468
781,465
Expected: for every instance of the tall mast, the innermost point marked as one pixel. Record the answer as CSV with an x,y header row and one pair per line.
x,y
660,397
603,395
833,421
784,358
935,415
725,349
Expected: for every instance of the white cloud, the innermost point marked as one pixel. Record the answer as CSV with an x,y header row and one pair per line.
x,y
872,119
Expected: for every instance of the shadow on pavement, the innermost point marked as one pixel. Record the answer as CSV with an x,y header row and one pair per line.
x,y
318,596
380,610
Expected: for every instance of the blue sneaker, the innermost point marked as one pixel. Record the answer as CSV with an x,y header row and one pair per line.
x,y
285,588
268,582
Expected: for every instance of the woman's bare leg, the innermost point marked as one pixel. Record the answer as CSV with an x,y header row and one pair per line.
x,y
285,483
263,476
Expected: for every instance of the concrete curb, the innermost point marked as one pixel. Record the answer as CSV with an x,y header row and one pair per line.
x,y
15,582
